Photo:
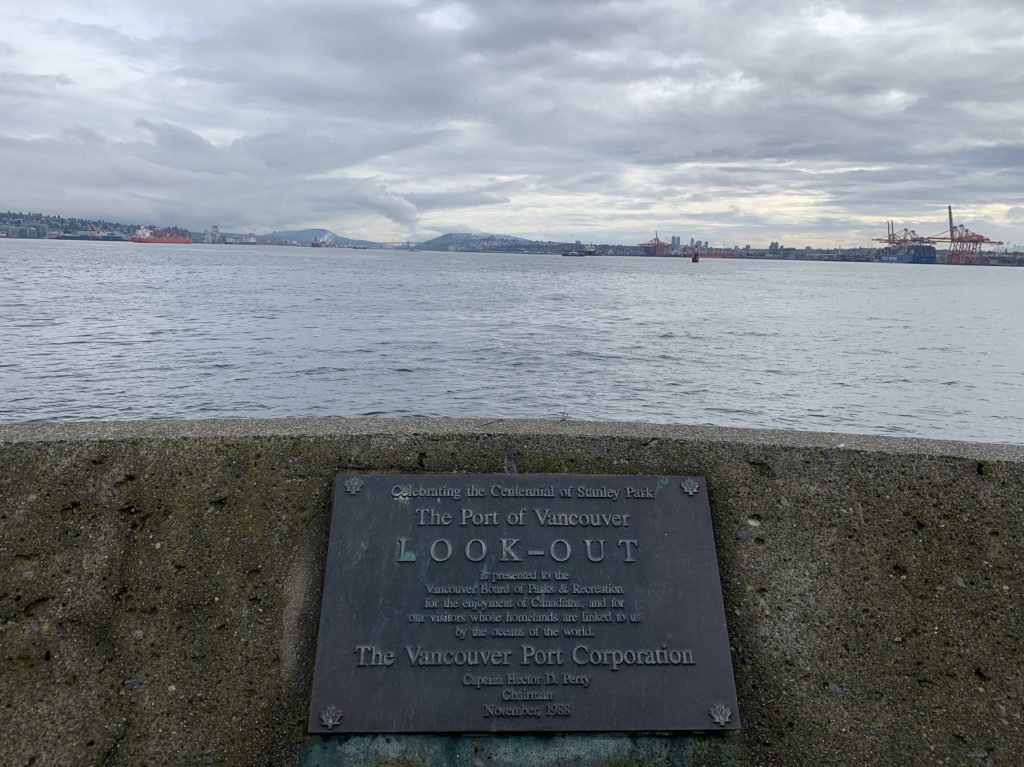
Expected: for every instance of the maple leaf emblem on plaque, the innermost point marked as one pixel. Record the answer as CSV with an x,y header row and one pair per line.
x,y
331,716
690,485
354,485
720,713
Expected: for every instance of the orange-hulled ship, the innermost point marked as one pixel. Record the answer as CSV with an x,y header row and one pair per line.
x,y
167,236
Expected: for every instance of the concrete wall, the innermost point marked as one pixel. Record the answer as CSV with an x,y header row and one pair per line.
x,y
159,589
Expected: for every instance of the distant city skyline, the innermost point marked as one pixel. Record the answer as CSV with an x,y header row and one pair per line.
x,y
673,241
386,120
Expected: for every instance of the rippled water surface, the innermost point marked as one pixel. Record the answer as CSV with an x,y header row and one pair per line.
x,y
124,331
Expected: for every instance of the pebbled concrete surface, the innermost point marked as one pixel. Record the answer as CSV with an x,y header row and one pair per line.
x,y
159,589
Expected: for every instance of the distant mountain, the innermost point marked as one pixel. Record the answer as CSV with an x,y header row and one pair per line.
x,y
467,241
306,237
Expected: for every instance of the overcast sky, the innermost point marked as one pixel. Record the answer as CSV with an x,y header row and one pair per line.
x,y
736,122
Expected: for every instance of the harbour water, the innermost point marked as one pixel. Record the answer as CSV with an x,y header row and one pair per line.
x,y
125,331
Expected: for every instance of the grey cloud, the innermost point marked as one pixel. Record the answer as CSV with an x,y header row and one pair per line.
x,y
162,180
446,200
180,148
110,39
14,84
306,150
393,206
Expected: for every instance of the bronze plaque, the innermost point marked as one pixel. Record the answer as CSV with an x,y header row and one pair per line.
x,y
521,603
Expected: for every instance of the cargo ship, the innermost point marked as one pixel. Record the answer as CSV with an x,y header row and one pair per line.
x,y
586,250
911,253
166,236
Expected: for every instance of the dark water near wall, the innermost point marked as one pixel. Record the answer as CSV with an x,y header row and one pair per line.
x,y
123,331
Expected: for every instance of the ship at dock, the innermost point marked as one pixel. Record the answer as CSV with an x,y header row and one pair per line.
x,y
908,247
581,250
909,253
173,236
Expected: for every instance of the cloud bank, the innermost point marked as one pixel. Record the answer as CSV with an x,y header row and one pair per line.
x,y
738,121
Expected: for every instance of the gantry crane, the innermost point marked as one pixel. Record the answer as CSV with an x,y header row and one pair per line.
x,y
964,245
896,239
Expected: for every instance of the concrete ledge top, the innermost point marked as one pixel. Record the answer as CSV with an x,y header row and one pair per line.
x,y
319,428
